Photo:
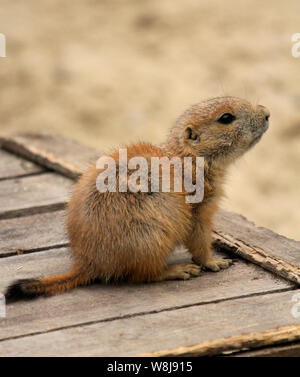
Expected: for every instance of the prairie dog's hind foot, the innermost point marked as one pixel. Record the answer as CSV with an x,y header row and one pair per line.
x,y
182,271
217,264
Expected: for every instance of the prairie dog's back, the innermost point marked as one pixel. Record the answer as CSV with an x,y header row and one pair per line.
x,y
140,224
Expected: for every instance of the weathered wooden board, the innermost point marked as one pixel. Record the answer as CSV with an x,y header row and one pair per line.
x,y
33,194
259,245
288,350
274,244
32,233
103,303
55,152
162,330
232,232
228,345
12,166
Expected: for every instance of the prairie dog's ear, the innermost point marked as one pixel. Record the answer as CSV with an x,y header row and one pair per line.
x,y
190,133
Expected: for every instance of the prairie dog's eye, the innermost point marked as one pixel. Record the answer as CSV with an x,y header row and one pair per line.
x,y
226,118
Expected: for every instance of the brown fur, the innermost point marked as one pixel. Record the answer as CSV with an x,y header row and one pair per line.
x,y
129,236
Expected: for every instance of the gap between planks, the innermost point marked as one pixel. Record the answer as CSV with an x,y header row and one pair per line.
x,y
20,176
12,166
32,233
291,349
34,194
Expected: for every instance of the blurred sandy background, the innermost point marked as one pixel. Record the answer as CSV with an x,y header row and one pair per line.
x,y
115,71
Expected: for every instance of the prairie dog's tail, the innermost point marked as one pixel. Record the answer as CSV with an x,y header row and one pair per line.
x,y
50,285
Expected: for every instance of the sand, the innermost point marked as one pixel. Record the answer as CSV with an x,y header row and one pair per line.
x,y
112,72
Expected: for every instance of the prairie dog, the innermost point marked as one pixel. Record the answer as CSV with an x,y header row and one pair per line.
x,y
129,235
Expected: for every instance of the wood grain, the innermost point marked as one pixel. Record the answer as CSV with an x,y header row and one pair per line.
x,y
33,194
105,303
232,344
287,350
52,151
12,166
206,327
32,233
258,245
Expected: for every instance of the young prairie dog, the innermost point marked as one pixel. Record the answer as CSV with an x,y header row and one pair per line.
x,y
129,236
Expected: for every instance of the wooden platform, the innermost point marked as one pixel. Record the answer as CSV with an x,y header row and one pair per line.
x,y
248,310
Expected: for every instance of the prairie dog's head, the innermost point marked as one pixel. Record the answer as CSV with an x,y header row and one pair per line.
x,y
221,128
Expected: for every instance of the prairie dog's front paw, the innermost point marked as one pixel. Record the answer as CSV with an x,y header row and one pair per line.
x,y
217,264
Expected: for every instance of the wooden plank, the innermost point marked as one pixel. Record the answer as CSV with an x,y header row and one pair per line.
x,y
33,194
250,321
52,151
258,245
237,342
289,350
104,303
12,166
232,232
258,237
32,233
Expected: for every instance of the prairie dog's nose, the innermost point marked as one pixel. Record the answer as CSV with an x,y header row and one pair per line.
x,y
265,111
